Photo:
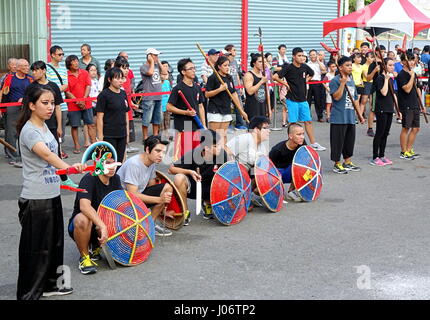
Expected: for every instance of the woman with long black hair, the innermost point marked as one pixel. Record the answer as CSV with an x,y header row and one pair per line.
x,y
112,113
219,107
41,245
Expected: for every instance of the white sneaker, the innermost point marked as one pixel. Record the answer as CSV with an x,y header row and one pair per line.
x,y
318,147
132,150
293,195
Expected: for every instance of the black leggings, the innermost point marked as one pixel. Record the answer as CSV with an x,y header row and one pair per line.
x,y
342,140
383,125
119,144
41,246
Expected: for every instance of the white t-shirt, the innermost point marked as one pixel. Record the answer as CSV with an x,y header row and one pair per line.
x,y
245,150
281,60
134,172
317,70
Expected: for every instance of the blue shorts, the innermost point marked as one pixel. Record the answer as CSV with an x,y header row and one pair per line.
x,y
298,111
286,174
151,112
76,116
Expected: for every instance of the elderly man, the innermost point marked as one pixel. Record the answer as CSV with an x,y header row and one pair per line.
x,y
87,58
13,91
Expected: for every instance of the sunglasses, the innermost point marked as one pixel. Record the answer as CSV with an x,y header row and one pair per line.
x,y
60,54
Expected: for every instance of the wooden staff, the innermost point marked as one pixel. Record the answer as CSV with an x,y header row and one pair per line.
x,y
221,81
7,145
266,88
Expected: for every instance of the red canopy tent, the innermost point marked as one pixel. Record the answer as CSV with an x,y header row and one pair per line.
x,y
381,16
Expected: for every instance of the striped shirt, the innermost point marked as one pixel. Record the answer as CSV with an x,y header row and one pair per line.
x,y
52,76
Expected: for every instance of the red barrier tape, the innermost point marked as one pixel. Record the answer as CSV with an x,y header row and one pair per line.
x,y
147,94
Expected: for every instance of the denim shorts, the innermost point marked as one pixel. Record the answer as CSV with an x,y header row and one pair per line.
x,y
298,111
76,116
151,112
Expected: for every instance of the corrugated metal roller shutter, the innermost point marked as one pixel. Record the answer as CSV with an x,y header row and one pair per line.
x,y
132,26
22,23
295,23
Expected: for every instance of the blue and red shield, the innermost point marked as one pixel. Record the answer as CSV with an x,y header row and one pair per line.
x,y
231,193
306,172
269,183
131,229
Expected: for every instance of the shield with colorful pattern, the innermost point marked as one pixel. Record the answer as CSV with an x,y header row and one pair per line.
x,y
231,193
131,229
269,183
306,172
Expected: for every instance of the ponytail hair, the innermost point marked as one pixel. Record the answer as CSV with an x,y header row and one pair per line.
x,y
111,74
32,95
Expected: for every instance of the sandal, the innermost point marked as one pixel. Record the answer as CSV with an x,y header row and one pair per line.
x,y
76,151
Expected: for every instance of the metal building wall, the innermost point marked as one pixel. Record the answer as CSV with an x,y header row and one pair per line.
x,y
173,27
294,23
22,22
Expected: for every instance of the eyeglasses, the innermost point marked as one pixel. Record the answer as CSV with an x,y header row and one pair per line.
x,y
60,54
192,68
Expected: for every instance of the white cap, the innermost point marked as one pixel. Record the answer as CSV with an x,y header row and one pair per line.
x,y
153,51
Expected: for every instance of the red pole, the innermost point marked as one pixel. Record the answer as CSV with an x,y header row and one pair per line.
x,y
244,42
48,26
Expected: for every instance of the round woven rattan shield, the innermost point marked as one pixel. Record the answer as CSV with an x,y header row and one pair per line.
x,y
131,229
231,193
269,183
175,211
306,172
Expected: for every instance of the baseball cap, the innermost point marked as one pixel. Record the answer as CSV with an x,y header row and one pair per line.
x,y
212,52
153,51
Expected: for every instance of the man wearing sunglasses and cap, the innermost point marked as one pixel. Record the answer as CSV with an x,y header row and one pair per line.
x,y
151,105
206,69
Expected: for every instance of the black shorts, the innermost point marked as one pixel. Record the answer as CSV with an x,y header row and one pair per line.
x,y
71,229
153,191
410,118
360,90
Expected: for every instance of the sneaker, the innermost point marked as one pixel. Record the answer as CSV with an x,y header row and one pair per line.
x,y
86,265
386,161
399,121
69,182
293,195
415,155
95,254
377,162
132,150
187,218
338,168
318,147
57,292
64,155
285,125
240,128
406,156
162,232
370,132
208,213
351,167
256,200
18,164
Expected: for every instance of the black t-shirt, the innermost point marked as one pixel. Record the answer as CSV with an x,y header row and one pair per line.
x,y
194,97
221,103
281,156
51,122
194,159
115,107
372,67
383,103
296,78
406,100
97,190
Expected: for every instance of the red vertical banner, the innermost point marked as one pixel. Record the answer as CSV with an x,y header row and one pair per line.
x,y
48,27
244,42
